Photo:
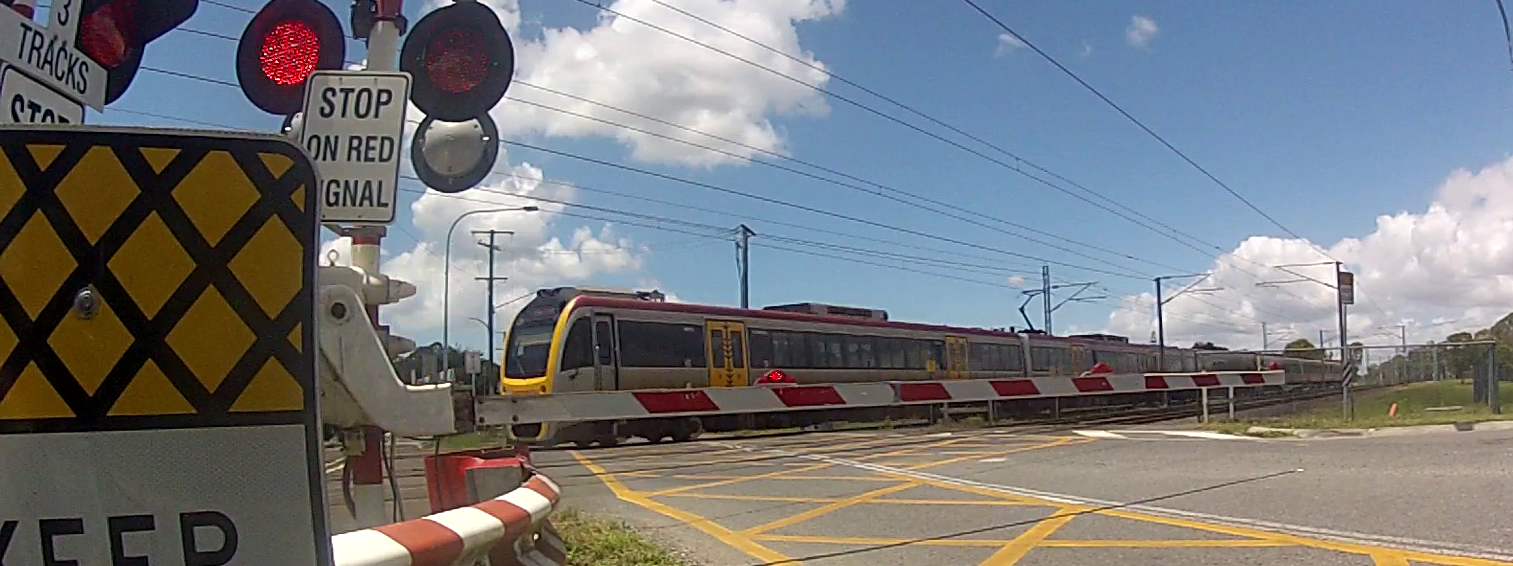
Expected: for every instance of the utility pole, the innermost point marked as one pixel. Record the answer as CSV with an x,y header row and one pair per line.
x,y
1265,340
1344,294
1161,306
1045,287
489,281
1044,292
743,261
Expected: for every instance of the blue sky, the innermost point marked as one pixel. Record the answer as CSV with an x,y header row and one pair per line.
x,y
1324,115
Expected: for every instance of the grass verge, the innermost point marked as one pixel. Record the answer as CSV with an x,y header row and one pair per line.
x,y
601,541
1374,411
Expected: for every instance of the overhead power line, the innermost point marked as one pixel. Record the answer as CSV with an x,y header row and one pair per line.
x,y
1018,159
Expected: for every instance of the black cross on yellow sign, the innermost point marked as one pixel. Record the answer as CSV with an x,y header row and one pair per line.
x,y
153,279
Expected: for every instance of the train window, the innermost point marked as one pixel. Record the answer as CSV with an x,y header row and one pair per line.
x,y
853,351
835,346
800,352
869,355
661,345
578,349
604,337
884,352
1015,357
898,353
762,350
977,357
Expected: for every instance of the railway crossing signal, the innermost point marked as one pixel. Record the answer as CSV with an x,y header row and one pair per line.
x,y
115,32
461,60
283,45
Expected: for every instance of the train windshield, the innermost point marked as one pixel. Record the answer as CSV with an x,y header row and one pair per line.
x,y
526,354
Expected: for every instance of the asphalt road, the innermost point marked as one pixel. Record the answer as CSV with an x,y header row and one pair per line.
x,y
1044,497
997,497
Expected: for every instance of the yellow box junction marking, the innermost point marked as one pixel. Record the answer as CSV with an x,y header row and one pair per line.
x,y
1010,551
199,252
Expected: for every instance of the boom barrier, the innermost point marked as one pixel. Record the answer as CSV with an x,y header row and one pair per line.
x,y
511,529
659,403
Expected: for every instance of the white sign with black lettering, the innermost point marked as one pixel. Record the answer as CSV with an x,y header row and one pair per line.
x,y
192,497
24,100
48,55
353,124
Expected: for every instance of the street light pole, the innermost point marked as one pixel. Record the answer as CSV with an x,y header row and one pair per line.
x,y
446,279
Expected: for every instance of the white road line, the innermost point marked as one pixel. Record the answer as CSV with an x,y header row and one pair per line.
x,y
1189,434
1349,537
1098,434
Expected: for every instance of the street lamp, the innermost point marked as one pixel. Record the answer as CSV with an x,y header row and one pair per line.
x,y
446,278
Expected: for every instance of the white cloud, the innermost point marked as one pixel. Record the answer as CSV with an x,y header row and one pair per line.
x,y
628,65
1016,281
1141,31
1087,49
1007,43
1445,269
531,258
619,63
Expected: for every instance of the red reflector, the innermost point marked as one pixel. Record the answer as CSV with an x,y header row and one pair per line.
x,y
104,33
290,52
456,60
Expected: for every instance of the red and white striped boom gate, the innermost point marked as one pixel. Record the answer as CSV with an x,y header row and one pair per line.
x,y
658,403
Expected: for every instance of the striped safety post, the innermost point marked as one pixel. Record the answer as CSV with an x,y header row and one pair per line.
x,y
509,530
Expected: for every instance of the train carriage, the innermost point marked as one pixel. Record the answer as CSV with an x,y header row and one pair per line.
x,y
573,339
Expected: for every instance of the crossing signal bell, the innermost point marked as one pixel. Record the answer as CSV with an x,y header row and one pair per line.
x,y
115,32
460,60
285,42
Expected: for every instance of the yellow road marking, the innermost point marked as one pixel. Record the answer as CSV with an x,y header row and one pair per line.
x,y
809,468
710,528
828,508
1386,559
881,541
782,478
1052,444
1345,547
734,480
1013,552
794,499
1161,544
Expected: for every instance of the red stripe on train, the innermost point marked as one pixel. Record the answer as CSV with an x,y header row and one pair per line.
x,y
657,402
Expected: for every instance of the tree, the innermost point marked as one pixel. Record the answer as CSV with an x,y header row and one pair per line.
x,y
1207,346
1302,348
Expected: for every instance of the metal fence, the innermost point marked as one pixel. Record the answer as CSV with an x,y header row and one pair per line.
x,y
1481,363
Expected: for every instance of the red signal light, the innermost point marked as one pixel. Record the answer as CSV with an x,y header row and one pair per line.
x,y
460,60
456,61
106,34
283,44
290,52
113,33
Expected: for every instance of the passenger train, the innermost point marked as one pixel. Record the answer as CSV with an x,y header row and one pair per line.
x,y
572,339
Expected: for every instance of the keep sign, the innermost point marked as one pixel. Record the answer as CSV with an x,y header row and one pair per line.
x,y
353,124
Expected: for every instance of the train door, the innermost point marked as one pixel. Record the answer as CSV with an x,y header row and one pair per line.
x,y
727,353
606,370
956,357
1080,360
